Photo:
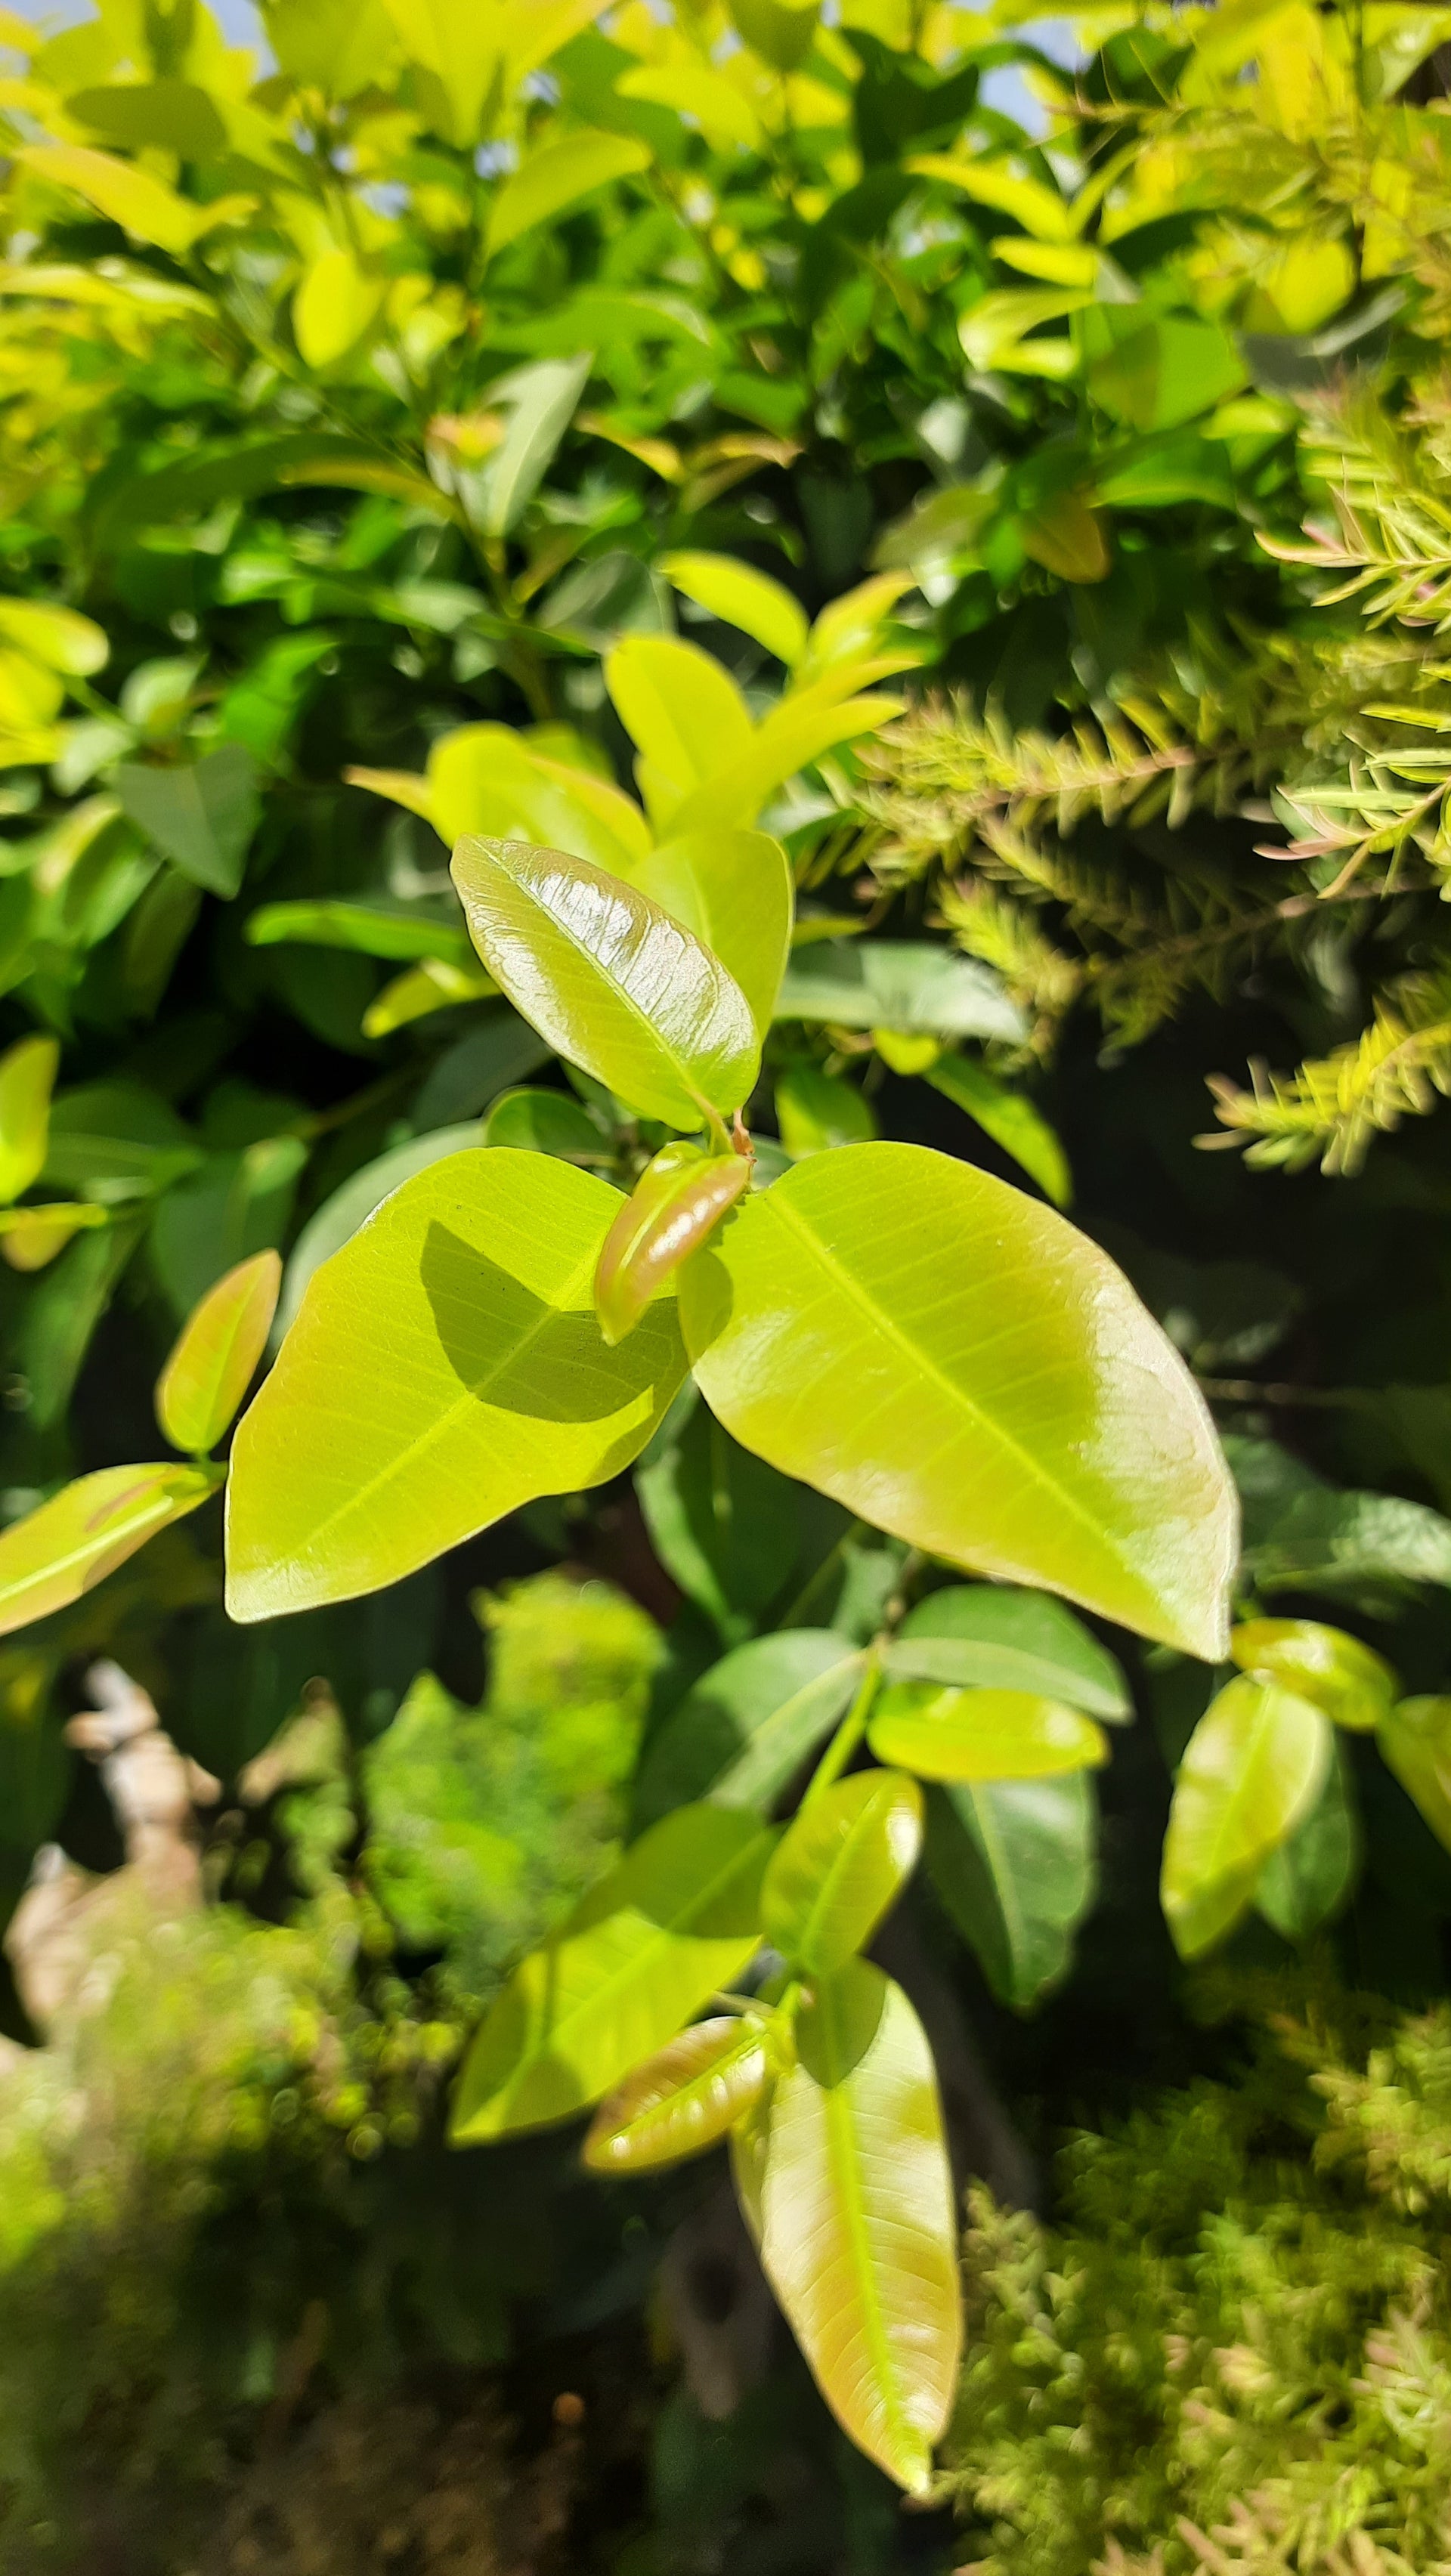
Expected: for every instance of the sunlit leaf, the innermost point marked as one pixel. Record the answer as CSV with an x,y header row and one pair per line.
x,y
816,1110
546,1122
30,1237
956,1363
740,596
1415,1738
680,2102
1304,1883
1349,1681
1252,1771
674,1207
144,206
721,110
734,890
614,983
987,1636
59,637
541,402
840,1865
790,738
446,1366
981,1734
27,1076
1015,1864
484,778
675,1921
368,928
685,716
558,175
421,990
84,1532
216,1355
897,984
337,302
852,2202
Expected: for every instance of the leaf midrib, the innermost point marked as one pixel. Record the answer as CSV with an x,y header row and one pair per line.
x,y
97,1546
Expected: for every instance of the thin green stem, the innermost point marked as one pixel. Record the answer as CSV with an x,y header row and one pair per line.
x,y
850,1732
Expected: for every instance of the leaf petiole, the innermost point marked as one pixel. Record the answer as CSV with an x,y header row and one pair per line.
x,y
849,1734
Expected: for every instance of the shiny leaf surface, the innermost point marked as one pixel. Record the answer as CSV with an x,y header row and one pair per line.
x,y
1348,1680
734,890
958,1365
1252,1771
673,1922
684,714
852,2201
682,2101
840,1865
445,1367
27,1076
674,1208
84,1532
981,1734
613,982
744,1729
216,1354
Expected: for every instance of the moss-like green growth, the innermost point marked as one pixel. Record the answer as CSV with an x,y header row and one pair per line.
x,y
1233,2351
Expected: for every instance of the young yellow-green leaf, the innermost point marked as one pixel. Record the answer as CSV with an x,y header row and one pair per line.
x,y
676,1920
556,176
680,2102
722,111
368,928
1252,1770
740,596
445,1367
1307,1879
485,778
675,1206
30,1237
792,736
841,1863
960,1366
685,716
734,890
615,984
1348,1680
1042,214
420,990
216,1353
1010,1120
981,1734
546,1122
84,1532
816,1110
846,2183
59,637
1415,1738
27,1078
126,195
337,302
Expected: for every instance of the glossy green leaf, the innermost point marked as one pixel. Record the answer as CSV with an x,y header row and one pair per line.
x,y
839,1867
1306,1881
546,1122
216,1354
733,889
1015,1863
816,1110
989,1636
795,734
540,402
743,1731
31,1237
1352,1683
1253,1769
558,175
486,778
613,982
740,596
446,1366
897,984
851,2200
84,1532
684,714
202,816
365,927
981,1734
674,1208
27,1076
675,1921
1010,1120
1415,1739
682,2101
960,1366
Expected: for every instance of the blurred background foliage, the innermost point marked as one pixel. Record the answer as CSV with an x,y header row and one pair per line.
x,y
361,398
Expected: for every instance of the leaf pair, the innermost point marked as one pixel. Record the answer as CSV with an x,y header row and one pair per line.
x,y
1257,1764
